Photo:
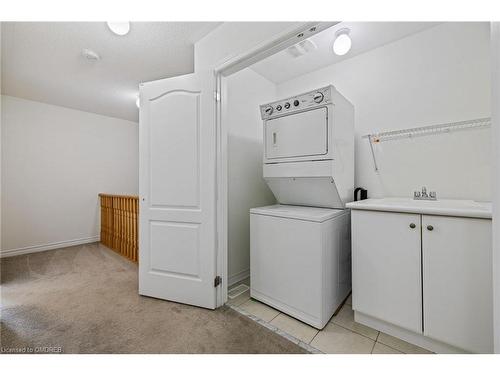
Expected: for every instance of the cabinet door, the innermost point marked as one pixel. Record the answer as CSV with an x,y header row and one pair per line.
x,y
386,257
457,282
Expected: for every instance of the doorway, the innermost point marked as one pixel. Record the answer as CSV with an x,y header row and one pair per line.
x,y
370,80
241,90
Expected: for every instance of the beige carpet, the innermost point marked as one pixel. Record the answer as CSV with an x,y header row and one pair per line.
x,y
84,299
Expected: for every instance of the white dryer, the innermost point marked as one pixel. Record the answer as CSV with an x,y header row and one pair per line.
x,y
300,249
309,149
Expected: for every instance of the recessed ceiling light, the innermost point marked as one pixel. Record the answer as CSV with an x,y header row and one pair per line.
x,y
119,28
342,43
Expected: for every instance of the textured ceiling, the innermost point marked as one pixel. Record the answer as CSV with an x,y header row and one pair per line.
x,y
43,61
365,36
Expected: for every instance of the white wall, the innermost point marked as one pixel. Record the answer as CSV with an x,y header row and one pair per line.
x,y
495,106
55,161
246,90
436,76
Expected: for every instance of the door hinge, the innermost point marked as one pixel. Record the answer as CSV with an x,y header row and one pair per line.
x,y
217,96
217,281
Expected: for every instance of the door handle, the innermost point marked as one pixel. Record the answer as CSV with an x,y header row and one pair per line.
x,y
430,227
275,136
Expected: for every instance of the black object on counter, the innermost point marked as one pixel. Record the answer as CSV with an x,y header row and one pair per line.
x,y
363,194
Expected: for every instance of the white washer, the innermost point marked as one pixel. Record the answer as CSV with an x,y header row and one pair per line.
x,y
300,260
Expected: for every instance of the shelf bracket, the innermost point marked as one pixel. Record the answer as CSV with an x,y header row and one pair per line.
x,y
373,153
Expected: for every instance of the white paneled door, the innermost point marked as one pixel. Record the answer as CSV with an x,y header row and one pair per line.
x,y
177,252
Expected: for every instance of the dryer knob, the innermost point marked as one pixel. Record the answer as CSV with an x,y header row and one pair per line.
x,y
268,110
318,97
287,105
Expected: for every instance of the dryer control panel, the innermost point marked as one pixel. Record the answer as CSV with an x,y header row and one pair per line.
x,y
297,103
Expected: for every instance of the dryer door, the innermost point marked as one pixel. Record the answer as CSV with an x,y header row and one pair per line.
x,y
300,135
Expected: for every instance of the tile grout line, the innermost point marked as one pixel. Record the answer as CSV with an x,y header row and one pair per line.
x,y
376,339
242,302
279,313
357,333
298,341
373,347
278,331
399,350
308,342
389,346
319,330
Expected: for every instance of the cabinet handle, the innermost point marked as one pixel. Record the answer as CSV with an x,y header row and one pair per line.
x,y
430,227
412,225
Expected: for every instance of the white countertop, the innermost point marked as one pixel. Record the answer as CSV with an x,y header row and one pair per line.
x,y
445,207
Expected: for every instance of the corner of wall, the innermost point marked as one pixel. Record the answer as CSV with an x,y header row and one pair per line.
x,y
495,109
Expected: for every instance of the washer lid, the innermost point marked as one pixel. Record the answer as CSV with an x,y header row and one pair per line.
x,y
315,214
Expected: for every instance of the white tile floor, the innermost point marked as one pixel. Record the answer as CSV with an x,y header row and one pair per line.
x,y
342,335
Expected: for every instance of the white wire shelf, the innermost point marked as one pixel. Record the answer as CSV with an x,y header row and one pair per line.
x,y
429,130
423,131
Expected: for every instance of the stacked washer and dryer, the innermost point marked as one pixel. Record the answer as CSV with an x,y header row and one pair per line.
x,y
300,249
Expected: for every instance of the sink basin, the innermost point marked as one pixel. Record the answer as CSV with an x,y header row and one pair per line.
x,y
447,207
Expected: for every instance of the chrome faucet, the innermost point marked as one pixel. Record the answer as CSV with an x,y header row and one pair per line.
x,y
422,195
424,192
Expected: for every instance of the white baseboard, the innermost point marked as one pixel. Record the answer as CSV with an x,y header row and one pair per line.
x,y
242,275
49,246
408,336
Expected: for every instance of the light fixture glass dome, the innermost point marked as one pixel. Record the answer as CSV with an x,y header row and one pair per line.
x,y
119,28
342,43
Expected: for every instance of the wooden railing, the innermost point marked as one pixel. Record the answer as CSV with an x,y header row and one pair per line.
x,y
119,217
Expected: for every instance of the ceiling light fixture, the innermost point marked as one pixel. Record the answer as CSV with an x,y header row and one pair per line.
x,y
342,43
119,28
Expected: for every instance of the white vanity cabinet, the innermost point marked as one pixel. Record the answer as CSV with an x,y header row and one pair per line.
x,y
424,276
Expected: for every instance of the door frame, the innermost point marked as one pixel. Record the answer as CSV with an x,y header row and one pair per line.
x,y
221,72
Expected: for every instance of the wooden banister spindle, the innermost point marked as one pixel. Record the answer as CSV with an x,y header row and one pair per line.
x,y
119,226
